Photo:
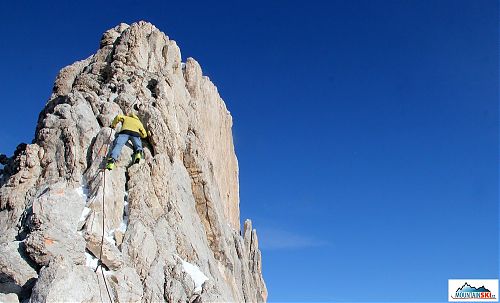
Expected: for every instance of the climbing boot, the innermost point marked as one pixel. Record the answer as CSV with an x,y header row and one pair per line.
x,y
111,164
137,157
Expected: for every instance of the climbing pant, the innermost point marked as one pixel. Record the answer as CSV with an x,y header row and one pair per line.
x,y
121,140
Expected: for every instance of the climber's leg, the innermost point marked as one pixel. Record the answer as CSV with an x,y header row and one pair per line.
x,y
120,141
110,164
138,152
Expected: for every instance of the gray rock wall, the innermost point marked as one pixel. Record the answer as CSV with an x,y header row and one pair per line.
x,y
171,223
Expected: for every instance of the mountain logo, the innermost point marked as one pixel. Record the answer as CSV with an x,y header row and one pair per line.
x,y
468,290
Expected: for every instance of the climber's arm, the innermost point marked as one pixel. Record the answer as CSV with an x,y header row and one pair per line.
x,y
116,120
143,132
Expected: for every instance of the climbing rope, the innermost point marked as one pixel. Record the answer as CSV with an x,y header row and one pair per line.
x,y
99,261
103,171
102,154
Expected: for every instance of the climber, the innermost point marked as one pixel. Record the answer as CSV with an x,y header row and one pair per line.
x,y
133,130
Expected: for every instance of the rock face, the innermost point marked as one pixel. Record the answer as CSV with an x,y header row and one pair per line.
x,y
169,226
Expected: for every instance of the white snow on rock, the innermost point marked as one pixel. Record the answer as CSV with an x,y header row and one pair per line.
x,y
85,214
83,192
195,273
110,237
90,261
123,225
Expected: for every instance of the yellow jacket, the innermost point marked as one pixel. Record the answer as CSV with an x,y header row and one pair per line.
x,y
130,123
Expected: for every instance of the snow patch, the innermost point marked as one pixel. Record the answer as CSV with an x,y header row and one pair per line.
x,y
110,237
90,261
123,225
83,192
195,273
85,214
108,272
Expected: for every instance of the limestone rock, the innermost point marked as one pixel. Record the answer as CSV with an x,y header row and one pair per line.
x,y
18,188
62,281
141,246
45,244
126,285
8,298
18,279
171,222
111,256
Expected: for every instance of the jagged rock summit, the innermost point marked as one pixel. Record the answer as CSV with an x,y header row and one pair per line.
x,y
171,222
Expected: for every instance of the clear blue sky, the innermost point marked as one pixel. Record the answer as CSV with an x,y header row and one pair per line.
x,y
366,131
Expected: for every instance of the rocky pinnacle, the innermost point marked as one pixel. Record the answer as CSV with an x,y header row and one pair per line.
x,y
171,222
